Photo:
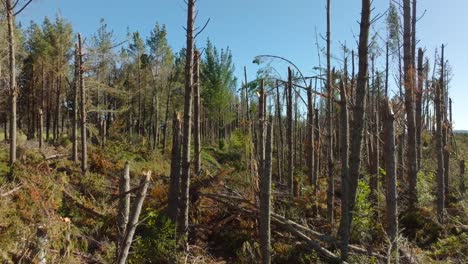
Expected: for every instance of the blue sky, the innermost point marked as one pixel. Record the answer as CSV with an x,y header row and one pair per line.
x,y
285,28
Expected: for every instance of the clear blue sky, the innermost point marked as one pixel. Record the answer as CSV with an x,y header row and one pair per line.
x,y
285,28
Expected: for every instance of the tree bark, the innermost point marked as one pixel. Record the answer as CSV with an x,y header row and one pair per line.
x,y
196,113
391,180
345,179
182,225
418,107
133,221
439,144
358,113
289,135
12,82
310,136
76,85
124,206
41,127
84,152
265,197
174,185
462,177
330,178
408,62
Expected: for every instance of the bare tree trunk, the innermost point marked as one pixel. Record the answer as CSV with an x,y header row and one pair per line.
x,y
330,178
345,180
13,88
166,118
182,225
196,113
386,68
41,127
462,177
317,160
76,85
310,136
133,221
261,129
418,103
265,197
357,130
174,185
124,206
84,154
280,151
391,181
289,135
439,143
409,105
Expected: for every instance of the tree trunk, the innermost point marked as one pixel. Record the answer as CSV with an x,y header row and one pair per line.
x,y
330,178
182,225
133,221
84,154
462,177
41,127
391,181
317,160
409,106
289,135
196,113
345,180
76,85
439,144
265,197
124,206
310,136
359,113
280,146
166,118
174,185
418,103
13,88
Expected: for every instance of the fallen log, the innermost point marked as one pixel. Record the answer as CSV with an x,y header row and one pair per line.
x,y
325,253
80,205
278,219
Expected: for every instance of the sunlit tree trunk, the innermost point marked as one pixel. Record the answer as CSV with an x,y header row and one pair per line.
x,y
183,221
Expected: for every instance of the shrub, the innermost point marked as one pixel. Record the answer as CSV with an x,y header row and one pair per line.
x,y
156,239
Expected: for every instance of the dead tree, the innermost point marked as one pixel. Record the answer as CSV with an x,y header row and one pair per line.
x,y
310,135
330,178
418,106
9,9
317,159
357,129
391,180
280,152
174,184
84,153
196,113
409,105
265,197
261,128
76,86
289,135
41,127
183,213
133,220
462,177
345,180
124,205
439,144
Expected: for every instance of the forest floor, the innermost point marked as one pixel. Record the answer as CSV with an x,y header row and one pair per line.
x,y
45,193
